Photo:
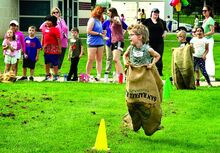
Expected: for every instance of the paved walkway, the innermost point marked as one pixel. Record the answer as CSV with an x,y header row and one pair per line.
x,y
40,79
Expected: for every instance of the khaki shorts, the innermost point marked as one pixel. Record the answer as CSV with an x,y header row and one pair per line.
x,y
10,59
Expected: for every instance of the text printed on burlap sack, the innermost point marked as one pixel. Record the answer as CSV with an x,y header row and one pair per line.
x,y
143,94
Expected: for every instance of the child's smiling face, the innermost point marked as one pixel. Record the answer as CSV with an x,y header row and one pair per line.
x,y
199,33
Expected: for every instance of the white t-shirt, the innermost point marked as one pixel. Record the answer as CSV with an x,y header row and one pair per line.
x,y
199,46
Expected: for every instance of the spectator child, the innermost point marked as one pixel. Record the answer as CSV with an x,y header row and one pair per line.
x,y
182,63
201,48
9,51
52,46
181,36
75,53
33,47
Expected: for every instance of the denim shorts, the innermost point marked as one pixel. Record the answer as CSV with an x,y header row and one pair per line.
x,y
51,58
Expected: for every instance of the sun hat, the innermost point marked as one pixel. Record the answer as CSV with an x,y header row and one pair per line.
x,y
14,22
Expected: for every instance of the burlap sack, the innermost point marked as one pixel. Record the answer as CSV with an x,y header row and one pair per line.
x,y
144,89
8,77
182,67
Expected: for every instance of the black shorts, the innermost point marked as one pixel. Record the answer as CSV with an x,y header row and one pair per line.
x,y
95,46
28,63
118,45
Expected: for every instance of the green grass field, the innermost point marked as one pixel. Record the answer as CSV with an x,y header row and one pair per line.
x,y
63,117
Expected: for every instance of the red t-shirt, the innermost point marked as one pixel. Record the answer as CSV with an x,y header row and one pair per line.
x,y
50,43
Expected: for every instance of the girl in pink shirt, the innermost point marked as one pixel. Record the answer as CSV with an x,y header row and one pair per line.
x,y
9,50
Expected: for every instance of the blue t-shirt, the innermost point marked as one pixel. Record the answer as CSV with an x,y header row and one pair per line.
x,y
32,44
107,26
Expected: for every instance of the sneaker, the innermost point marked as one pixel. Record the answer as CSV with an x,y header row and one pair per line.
x,y
31,78
23,78
50,75
47,78
74,79
55,77
97,78
86,78
212,79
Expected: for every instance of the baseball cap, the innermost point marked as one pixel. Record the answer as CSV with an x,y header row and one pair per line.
x,y
14,22
155,10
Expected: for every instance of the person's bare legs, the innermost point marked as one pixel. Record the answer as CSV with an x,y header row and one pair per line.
x,y
116,59
16,67
13,68
7,67
99,54
32,72
56,70
47,69
90,60
24,72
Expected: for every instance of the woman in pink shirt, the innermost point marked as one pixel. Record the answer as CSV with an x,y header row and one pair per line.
x,y
117,39
61,25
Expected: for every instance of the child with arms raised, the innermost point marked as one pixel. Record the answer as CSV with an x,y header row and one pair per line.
x,y
143,83
201,48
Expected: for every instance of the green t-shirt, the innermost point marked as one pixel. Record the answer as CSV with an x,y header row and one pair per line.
x,y
75,45
206,26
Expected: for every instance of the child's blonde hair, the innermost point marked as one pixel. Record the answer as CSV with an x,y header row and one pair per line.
x,y
140,29
181,33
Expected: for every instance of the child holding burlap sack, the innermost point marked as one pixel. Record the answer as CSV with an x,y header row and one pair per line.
x,y
143,84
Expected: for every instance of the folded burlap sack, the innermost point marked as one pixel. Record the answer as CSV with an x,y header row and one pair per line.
x,y
8,77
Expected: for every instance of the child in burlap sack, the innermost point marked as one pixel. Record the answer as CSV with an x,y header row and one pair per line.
x,y
182,63
143,84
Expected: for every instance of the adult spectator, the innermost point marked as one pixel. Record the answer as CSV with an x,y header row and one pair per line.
x,y
117,39
139,16
61,25
158,30
209,30
196,21
143,15
95,41
169,23
107,27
